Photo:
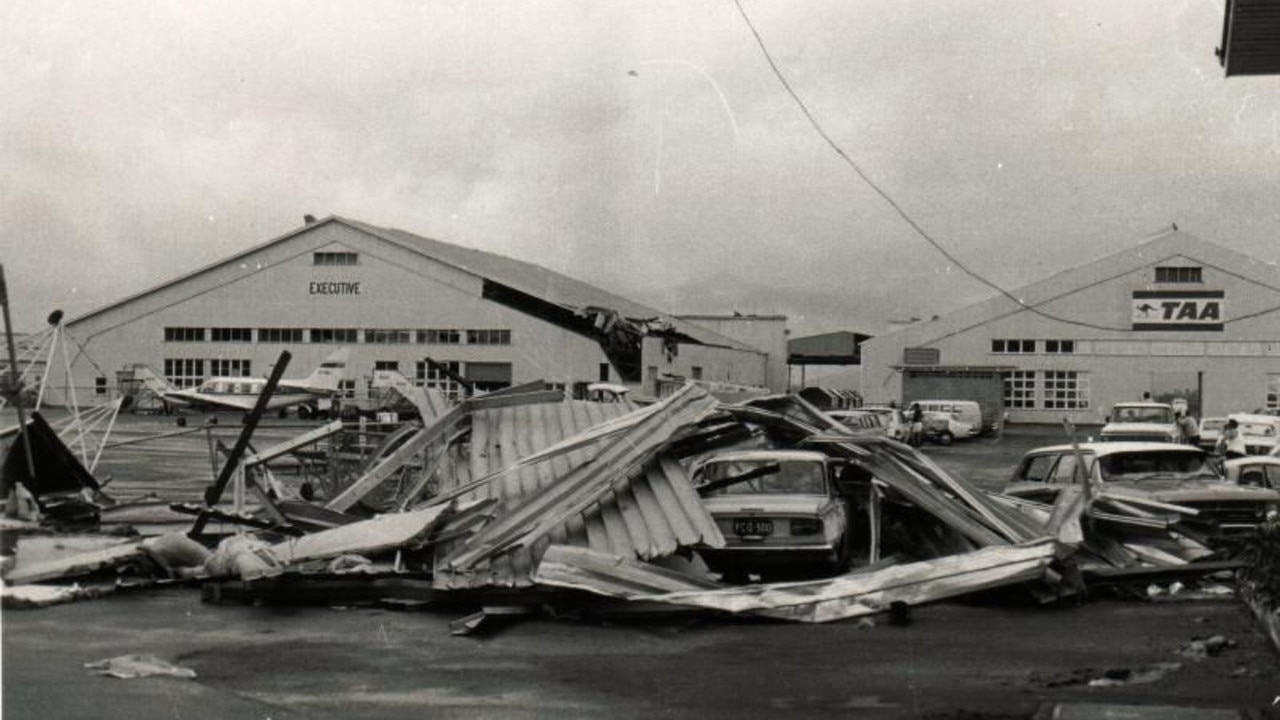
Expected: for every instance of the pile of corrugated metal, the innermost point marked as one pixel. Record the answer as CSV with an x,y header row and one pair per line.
x,y
524,498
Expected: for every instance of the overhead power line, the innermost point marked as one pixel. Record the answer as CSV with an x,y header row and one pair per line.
x,y
902,213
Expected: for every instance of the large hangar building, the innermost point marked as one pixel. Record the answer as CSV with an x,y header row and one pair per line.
x,y
1174,316
395,299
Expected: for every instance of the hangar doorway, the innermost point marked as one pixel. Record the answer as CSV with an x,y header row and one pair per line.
x,y
1167,386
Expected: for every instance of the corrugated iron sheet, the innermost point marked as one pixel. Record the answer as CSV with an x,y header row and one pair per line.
x,y
859,593
1251,38
649,516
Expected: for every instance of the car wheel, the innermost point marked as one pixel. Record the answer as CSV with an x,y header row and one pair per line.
x,y
945,437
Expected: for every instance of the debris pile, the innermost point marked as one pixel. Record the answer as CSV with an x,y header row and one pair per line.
x,y
521,498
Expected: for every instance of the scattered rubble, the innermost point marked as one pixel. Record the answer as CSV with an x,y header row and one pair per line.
x,y
135,666
523,491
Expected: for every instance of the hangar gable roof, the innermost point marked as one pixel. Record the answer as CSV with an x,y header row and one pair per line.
x,y
1167,247
525,277
536,280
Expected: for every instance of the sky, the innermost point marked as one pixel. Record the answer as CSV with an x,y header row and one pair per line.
x,y
645,147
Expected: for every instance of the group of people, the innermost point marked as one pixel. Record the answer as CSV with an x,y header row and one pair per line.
x,y
1230,443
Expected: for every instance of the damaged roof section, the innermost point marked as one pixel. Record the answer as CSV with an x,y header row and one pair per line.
x,y
603,487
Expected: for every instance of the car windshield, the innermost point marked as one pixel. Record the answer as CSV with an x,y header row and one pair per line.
x,y
1212,424
771,476
1155,464
1143,415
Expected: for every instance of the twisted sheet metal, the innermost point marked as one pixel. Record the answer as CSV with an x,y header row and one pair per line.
x,y
649,514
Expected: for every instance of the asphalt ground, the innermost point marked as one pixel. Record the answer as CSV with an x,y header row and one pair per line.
x,y
993,657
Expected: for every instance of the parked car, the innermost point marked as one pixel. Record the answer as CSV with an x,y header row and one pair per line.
x,y
1254,471
1177,474
1210,431
966,411
779,511
862,422
1258,431
1141,422
943,428
894,423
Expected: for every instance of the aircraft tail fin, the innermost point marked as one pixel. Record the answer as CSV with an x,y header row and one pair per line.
x,y
326,377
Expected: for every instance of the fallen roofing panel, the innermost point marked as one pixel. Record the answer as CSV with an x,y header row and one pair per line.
x,y
385,532
600,487
838,598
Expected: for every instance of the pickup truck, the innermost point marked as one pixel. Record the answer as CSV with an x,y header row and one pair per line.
x,y
1141,422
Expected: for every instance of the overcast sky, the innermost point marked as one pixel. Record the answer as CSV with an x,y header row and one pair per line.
x,y
646,147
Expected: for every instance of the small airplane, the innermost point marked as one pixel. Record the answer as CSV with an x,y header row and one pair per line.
x,y
241,393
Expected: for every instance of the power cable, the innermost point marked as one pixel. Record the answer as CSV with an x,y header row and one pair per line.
x,y
902,213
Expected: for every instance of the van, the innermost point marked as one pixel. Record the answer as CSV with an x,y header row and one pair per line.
x,y
966,411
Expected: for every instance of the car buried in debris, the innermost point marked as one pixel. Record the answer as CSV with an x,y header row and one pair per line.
x,y
1180,475
1254,471
779,510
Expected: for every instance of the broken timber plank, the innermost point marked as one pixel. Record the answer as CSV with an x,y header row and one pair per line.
x,y
288,446
393,462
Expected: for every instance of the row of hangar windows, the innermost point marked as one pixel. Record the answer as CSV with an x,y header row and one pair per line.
x,y
1069,390
443,375
350,336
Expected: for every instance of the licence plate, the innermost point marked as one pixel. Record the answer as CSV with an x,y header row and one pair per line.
x,y
752,526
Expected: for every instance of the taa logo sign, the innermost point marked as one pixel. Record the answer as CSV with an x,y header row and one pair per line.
x,y
1182,310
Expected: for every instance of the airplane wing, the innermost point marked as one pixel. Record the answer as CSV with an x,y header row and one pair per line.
x,y
244,403
207,400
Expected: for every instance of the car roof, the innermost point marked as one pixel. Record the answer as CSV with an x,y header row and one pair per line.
x,y
1254,418
757,455
1253,460
1142,403
1110,448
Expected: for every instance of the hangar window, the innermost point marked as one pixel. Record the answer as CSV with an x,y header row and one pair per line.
x,y
99,386
433,377
440,337
184,372
279,335
1066,390
184,334
387,336
1060,347
1020,390
222,367
1273,392
488,337
1178,275
1014,347
336,258
220,334
349,336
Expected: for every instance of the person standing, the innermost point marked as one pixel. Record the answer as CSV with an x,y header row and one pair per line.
x,y
1230,443
1190,428
916,417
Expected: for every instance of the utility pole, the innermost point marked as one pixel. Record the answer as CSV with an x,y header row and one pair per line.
x,y
8,491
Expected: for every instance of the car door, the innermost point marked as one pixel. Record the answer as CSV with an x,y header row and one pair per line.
x,y
1034,478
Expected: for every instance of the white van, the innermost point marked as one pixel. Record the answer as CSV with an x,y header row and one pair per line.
x,y
966,411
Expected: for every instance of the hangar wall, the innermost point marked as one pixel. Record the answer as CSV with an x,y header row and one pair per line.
x,y
1172,316
331,285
